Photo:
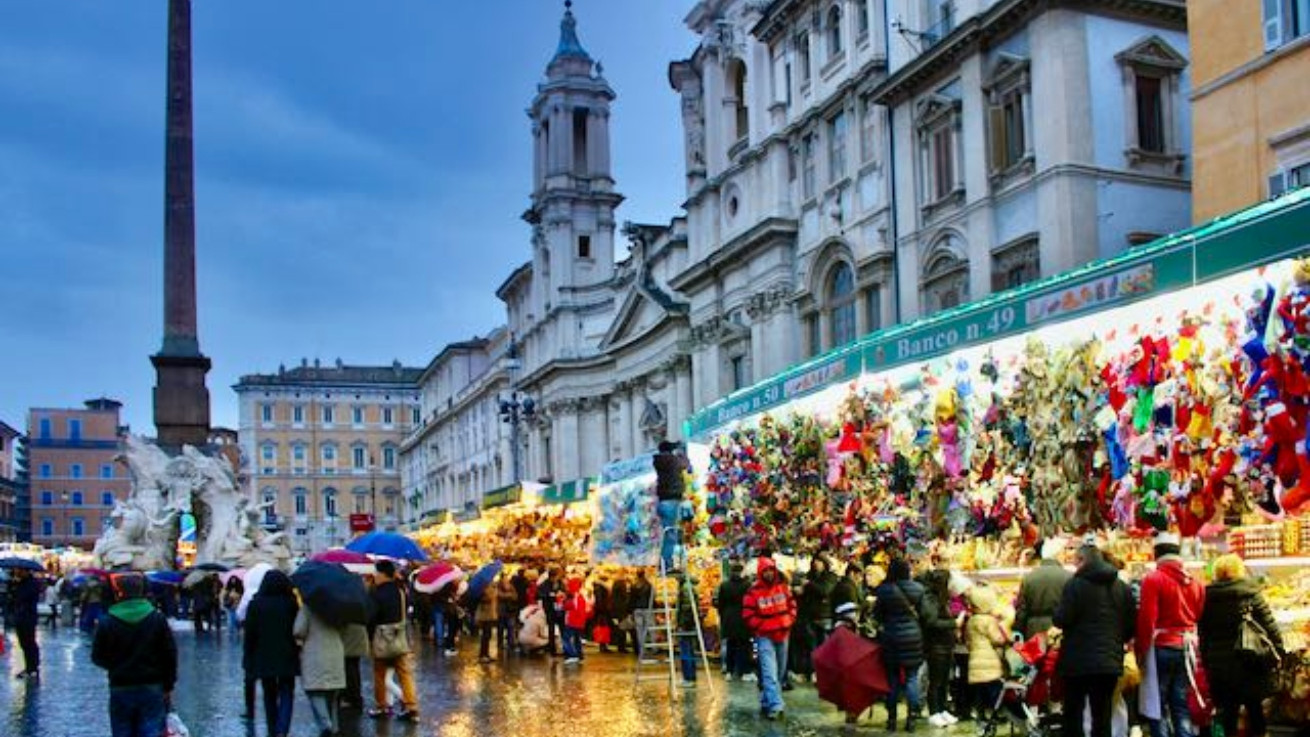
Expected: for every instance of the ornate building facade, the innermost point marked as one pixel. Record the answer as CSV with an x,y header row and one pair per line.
x,y
849,165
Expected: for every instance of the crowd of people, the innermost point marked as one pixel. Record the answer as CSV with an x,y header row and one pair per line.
x,y
1102,634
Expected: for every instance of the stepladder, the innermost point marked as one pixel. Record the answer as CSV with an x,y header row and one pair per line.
x,y
671,644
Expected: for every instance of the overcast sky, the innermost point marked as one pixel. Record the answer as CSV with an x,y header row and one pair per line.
x,y
361,169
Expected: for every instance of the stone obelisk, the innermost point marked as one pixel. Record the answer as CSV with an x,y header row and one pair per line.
x,y
181,399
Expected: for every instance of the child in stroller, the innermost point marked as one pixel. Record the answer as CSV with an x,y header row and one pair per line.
x,y
1027,689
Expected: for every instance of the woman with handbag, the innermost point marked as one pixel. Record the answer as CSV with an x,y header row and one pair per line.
x,y
1240,645
390,645
898,600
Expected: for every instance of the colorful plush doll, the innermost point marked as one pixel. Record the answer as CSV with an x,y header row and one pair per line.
x,y
1294,311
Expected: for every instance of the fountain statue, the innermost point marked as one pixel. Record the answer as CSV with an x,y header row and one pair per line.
x,y
146,525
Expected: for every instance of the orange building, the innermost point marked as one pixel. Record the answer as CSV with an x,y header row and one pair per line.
x,y
1251,108
75,475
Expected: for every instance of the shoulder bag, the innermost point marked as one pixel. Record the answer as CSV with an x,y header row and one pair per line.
x,y
391,640
1253,642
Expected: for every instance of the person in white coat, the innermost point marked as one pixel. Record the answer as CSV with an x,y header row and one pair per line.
x,y
322,668
535,635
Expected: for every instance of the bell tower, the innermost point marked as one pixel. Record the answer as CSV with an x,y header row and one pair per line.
x,y
573,197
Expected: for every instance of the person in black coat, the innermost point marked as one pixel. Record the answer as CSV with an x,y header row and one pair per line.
x,y
270,648
640,599
898,601
620,609
1097,616
732,624
602,611
1236,681
25,594
850,589
813,615
939,637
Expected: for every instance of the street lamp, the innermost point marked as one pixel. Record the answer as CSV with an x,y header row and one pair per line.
x,y
517,409
373,488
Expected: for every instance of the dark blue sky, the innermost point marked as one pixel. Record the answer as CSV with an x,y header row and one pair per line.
x,y
361,168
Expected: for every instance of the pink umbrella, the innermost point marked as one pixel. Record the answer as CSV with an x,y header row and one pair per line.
x,y
342,556
436,577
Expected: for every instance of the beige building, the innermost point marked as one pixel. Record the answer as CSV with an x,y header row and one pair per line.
x,y
75,473
320,444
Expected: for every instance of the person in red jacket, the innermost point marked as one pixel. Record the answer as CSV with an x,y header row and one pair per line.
x,y
576,612
1170,607
770,610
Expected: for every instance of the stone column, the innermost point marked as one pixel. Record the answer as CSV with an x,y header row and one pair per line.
x,y
682,391
638,408
620,416
566,441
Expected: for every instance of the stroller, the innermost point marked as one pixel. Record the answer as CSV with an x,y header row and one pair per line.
x,y
1030,685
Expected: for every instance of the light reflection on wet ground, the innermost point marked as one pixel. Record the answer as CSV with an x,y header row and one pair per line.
x,y
458,697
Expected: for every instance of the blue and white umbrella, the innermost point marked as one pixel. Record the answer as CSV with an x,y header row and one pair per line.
x,y
388,545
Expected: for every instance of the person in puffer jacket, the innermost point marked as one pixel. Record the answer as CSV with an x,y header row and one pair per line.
x,y
897,609
770,611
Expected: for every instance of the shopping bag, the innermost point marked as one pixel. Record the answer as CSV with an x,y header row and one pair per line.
x,y
1148,692
175,727
601,634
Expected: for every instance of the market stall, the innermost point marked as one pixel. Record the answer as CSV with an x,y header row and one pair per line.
x,y
517,524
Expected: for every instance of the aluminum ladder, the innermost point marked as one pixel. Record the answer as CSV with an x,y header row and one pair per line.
x,y
657,625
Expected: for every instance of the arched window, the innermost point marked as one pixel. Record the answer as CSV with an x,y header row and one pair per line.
x,y
834,31
945,281
737,77
329,502
840,303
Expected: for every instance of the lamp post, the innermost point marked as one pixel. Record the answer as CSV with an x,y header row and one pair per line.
x,y
515,410
373,488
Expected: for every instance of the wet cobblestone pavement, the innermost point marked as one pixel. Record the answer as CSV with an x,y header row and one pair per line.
x,y
458,697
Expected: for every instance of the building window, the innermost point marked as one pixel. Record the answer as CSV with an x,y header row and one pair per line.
x,y
741,118
941,21
873,308
815,328
45,428
1007,113
416,416
329,414
807,166
268,458
1285,20
803,55
360,507
939,129
584,248
47,527
389,458
840,304
301,503
1288,179
329,504
580,142
357,416
388,416
945,281
77,498
834,32
1016,264
298,414
107,498
106,470
359,457
862,18
266,413
78,527
329,454
47,498
75,471
298,459
1151,72
837,147
45,471
737,365
868,129
74,429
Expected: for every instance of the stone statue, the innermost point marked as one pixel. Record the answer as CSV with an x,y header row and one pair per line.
x,y
146,528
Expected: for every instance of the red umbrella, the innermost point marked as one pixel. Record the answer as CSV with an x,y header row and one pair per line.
x,y
342,556
436,577
850,672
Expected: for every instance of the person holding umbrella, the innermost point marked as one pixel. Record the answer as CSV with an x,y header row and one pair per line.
x,y
848,667
270,648
390,644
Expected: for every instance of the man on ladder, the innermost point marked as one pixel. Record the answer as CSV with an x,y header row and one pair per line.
x,y
670,465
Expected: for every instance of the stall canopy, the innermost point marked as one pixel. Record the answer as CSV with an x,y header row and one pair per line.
x,y
567,492
1246,239
504,496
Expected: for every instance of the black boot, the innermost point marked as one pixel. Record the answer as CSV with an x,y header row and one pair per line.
x,y
891,719
910,718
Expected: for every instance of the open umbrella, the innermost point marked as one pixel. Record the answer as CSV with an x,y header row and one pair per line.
x,y
849,671
343,556
437,576
215,567
21,564
253,579
483,578
194,578
167,578
334,594
389,545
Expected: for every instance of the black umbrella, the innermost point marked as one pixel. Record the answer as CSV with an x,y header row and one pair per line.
x,y
216,567
21,564
334,594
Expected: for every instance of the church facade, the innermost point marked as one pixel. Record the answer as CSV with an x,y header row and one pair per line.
x,y
849,165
